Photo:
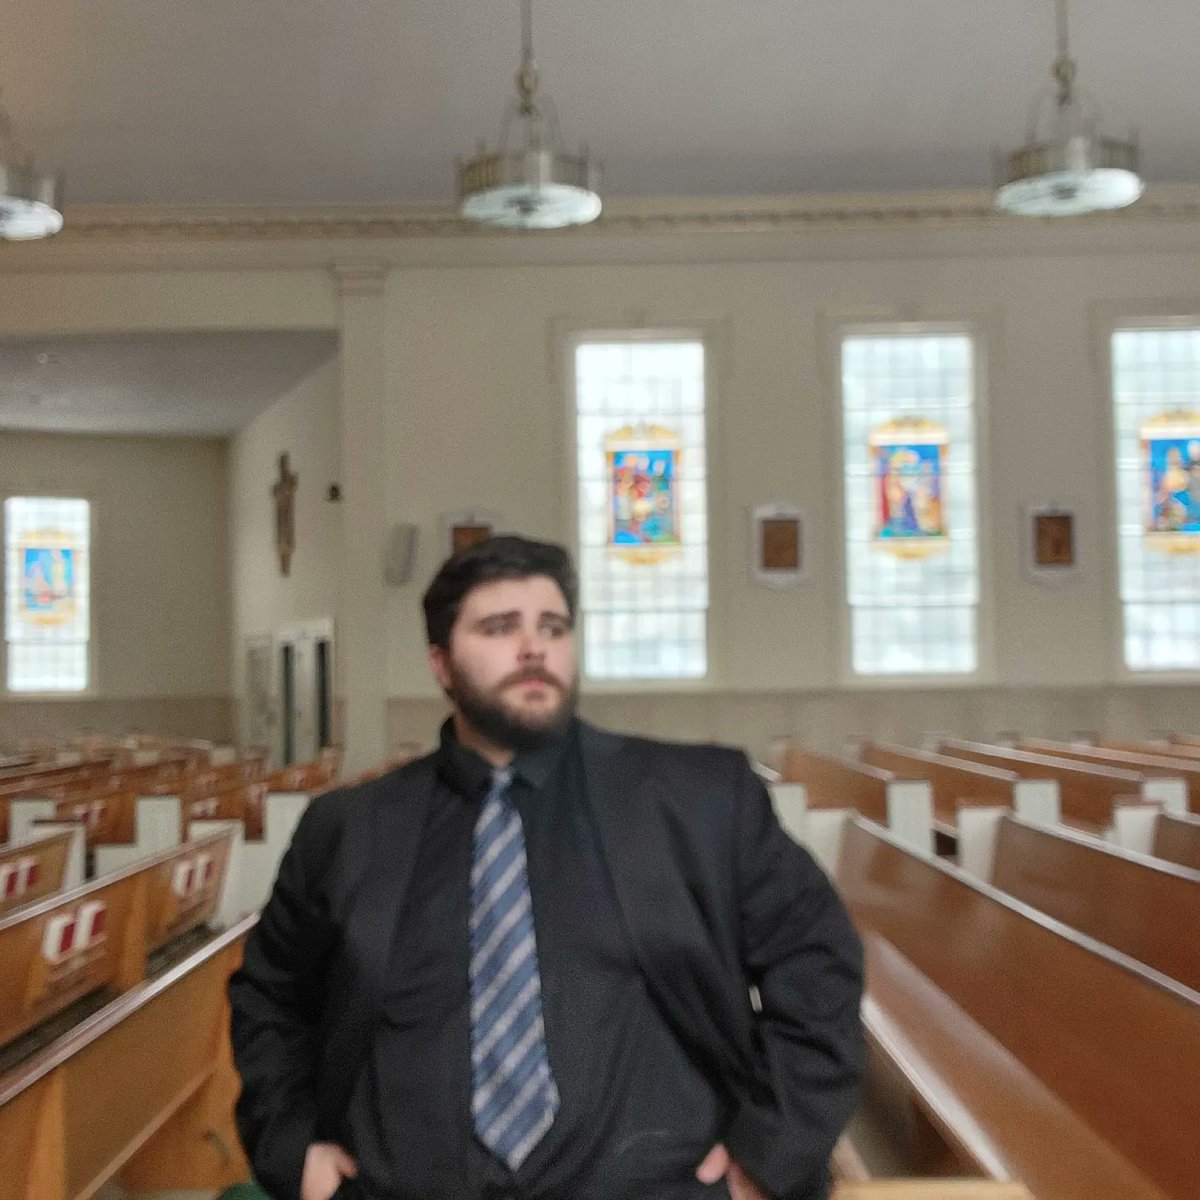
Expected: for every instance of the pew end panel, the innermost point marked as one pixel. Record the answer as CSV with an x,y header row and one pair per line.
x,y
158,826
1133,824
51,861
1037,800
978,829
261,859
229,903
1177,840
910,813
791,807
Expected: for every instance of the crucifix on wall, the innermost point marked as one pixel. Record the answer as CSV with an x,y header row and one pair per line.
x,y
284,492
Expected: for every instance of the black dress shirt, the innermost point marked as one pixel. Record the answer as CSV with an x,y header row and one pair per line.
x,y
635,1116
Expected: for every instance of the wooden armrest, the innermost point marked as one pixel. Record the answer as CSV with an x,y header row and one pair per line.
x,y
932,1189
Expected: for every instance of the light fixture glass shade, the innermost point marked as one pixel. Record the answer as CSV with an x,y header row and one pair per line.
x,y
1066,168
30,204
1060,179
534,185
539,189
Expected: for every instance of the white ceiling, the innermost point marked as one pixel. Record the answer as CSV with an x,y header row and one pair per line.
x,y
368,101
170,384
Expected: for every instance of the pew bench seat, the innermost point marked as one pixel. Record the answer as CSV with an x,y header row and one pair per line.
x,y
993,1116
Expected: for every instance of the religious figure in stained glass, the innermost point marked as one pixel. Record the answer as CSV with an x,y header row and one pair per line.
x,y
643,492
47,590
908,487
1170,446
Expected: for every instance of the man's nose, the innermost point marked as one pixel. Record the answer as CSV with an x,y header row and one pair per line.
x,y
532,645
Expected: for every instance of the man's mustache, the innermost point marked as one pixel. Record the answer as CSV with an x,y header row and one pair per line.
x,y
533,675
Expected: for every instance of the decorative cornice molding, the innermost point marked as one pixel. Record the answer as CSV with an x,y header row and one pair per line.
x,y
93,224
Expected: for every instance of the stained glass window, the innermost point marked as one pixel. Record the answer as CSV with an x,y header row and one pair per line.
x,y
1156,413
47,593
912,574
642,506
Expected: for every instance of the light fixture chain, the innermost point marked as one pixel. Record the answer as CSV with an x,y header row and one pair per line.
x,y
1064,64
527,79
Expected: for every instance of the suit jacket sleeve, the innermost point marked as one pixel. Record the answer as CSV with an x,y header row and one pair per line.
x,y
275,1000
802,954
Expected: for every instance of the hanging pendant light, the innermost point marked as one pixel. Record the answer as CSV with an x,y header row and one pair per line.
x,y
1066,168
30,203
533,184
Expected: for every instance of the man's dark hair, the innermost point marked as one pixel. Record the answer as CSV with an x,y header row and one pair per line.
x,y
504,557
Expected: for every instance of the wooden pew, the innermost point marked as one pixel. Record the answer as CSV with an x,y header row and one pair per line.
x,y
313,776
1092,797
967,797
1144,763
814,784
32,870
931,1189
98,937
244,802
122,827
69,1122
1177,840
53,782
143,1091
1032,1053
1074,878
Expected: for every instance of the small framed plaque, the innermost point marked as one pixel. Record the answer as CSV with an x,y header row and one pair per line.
x,y
1050,551
467,529
777,545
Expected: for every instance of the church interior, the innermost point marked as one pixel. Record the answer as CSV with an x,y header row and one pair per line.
x,y
854,353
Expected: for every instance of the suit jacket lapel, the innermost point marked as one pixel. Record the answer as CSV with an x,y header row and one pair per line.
x,y
395,840
704,1000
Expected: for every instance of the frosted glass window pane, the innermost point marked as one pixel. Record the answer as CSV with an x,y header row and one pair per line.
x,y
642,620
47,599
1155,371
911,616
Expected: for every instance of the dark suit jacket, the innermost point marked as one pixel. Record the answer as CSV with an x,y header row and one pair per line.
x,y
716,898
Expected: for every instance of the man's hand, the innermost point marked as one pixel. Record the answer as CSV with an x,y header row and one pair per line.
x,y
718,1165
325,1166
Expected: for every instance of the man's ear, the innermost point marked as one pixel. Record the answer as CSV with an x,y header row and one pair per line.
x,y
439,664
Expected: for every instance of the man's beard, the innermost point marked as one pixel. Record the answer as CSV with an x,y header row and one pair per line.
x,y
489,715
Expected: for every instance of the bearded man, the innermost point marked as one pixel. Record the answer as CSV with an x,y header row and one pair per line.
x,y
544,962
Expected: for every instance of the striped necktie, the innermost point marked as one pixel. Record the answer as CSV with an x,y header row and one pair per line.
x,y
515,1098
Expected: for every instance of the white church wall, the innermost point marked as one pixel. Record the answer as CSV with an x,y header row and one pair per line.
x,y
158,550
304,425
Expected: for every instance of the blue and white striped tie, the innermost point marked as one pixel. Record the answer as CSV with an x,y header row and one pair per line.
x,y
514,1098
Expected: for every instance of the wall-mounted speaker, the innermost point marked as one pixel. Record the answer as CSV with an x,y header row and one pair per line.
x,y
399,554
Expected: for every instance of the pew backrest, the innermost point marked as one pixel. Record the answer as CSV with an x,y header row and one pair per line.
x,y
1177,840
1116,1042
1088,792
1151,765
99,936
832,784
34,869
958,784
1138,905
